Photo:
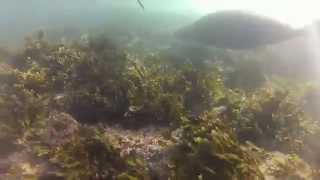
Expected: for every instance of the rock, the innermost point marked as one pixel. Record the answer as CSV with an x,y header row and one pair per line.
x,y
5,67
59,129
148,143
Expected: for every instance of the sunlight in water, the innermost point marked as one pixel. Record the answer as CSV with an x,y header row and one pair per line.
x,y
204,6
314,45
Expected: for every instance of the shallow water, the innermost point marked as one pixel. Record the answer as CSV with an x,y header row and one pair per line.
x,y
114,89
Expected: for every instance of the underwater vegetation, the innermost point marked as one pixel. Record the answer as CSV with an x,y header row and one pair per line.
x,y
94,109
68,111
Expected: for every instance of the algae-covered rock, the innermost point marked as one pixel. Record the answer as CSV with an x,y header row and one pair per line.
x,y
4,67
59,129
209,150
279,166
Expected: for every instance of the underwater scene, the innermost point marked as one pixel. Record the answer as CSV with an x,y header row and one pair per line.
x,y
159,90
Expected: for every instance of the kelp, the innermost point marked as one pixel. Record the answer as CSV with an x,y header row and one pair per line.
x,y
208,149
47,85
